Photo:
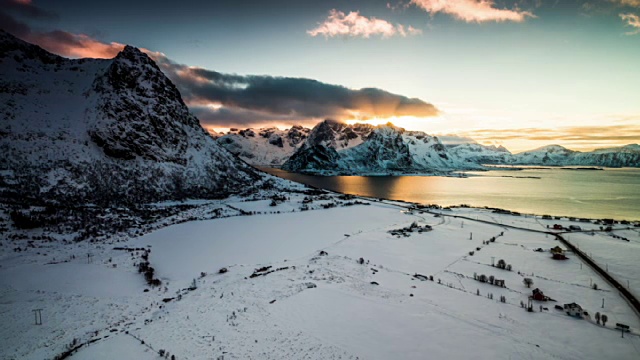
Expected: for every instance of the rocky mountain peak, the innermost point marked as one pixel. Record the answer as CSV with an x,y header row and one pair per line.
x,y
104,131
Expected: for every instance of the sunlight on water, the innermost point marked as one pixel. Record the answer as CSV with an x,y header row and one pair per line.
x,y
612,193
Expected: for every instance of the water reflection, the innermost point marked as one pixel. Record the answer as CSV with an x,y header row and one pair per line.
x,y
614,193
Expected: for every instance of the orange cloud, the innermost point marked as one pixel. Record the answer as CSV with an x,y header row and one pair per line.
x,y
576,137
12,13
632,3
472,10
356,25
74,45
633,21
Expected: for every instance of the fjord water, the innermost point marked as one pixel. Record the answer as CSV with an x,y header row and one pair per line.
x,y
608,193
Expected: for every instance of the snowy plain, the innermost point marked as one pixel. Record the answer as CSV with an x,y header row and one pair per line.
x,y
313,306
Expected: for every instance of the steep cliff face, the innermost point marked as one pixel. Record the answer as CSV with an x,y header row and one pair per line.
x,y
113,130
138,112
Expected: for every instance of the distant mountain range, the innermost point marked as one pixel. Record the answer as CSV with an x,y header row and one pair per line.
x,y
333,147
103,131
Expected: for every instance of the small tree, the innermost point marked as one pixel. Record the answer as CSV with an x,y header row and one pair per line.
x,y
528,282
491,279
598,318
604,319
508,267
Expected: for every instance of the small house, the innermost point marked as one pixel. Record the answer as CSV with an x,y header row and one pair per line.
x,y
498,282
575,228
573,309
557,227
538,295
559,256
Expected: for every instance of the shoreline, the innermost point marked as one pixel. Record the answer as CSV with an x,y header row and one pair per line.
x,y
555,216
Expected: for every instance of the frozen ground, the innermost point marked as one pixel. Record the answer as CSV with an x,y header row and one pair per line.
x,y
308,306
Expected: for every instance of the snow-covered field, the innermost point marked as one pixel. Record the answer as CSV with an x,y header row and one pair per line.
x,y
304,305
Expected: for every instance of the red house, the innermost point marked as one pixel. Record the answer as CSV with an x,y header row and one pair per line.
x,y
538,295
559,256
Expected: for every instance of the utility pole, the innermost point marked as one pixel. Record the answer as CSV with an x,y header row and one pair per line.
x,y
603,303
38,316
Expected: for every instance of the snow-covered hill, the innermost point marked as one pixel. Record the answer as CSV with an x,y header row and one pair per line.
x,y
480,154
555,155
103,131
335,147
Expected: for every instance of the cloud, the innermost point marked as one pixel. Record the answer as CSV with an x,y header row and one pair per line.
x,y
588,134
633,21
221,98
473,10
56,41
356,25
631,3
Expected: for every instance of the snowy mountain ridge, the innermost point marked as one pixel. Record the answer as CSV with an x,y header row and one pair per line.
x,y
334,147
556,155
96,131
376,150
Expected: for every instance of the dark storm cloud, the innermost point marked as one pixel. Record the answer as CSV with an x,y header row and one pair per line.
x,y
252,98
27,9
241,118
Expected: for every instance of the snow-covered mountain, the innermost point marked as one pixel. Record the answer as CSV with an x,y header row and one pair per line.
x,y
546,155
337,148
555,155
94,130
264,147
480,154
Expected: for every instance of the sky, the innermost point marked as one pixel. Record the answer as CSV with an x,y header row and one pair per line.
x,y
522,74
